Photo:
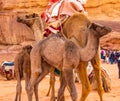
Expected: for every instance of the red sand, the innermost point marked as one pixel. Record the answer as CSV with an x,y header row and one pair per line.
x,y
8,88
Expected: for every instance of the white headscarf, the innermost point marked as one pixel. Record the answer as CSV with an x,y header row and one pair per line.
x,y
83,1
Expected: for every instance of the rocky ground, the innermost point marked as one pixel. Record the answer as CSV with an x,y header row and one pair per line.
x,y
8,88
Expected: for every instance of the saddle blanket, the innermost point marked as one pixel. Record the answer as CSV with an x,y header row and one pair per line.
x,y
6,63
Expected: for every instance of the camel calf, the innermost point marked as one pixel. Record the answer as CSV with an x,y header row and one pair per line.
x,y
22,68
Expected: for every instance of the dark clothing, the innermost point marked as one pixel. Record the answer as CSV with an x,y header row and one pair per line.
x,y
118,63
112,58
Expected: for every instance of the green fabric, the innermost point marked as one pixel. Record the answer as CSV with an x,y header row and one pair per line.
x,y
57,72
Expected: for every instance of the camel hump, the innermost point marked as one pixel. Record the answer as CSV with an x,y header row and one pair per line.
x,y
75,21
52,48
76,26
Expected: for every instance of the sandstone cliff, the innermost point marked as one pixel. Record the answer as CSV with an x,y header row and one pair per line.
x,y
13,33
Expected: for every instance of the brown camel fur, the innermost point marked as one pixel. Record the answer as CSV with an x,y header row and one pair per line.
x,y
22,68
83,22
35,23
64,54
70,30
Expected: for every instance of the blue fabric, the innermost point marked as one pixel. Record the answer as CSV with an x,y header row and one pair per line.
x,y
8,63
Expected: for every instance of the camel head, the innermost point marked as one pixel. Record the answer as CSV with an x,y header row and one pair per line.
x,y
27,19
99,30
27,48
94,32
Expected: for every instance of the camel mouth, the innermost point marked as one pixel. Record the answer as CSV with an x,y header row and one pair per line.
x,y
109,29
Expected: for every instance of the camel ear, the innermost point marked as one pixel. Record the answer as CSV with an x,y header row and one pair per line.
x,y
95,27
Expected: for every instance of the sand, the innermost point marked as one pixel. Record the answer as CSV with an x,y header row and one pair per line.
x,y
8,88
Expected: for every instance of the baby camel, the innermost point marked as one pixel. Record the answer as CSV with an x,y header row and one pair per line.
x,y
22,67
64,54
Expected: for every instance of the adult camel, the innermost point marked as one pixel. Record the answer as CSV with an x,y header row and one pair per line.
x,y
34,22
81,22
64,54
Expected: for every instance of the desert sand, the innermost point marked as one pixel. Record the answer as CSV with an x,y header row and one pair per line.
x,y
8,88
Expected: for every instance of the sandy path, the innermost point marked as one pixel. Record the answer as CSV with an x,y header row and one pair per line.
x,y
8,88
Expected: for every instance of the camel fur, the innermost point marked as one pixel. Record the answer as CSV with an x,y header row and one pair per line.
x,y
35,23
81,41
70,30
22,68
64,54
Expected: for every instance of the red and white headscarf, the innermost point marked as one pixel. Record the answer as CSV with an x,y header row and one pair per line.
x,y
56,8
65,7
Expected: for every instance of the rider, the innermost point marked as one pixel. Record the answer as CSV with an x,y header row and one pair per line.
x,y
59,10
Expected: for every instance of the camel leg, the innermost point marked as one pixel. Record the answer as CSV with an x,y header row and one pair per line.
x,y
84,80
45,70
63,84
30,87
97,69
68,73
18,87
52,80
18,91
52,84
27,79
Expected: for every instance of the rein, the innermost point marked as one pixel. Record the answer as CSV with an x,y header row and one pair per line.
x,y
32,18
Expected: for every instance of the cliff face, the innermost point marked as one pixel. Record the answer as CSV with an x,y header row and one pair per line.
x,y
13,33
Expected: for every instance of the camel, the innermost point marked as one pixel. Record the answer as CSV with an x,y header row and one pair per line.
x,y
31,20
70,30
22,68
65,55
36,25
82,38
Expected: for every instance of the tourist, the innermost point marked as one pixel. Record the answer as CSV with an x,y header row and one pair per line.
x,y
112,57
118,64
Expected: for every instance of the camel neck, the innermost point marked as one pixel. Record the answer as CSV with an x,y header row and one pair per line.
x,y
37,28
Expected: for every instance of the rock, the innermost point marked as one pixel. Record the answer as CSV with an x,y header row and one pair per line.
x,y
13,33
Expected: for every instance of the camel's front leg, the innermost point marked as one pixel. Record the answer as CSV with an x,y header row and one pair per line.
x,y
97,69
31,85
52,84
68,73
84,80
63,84
45,70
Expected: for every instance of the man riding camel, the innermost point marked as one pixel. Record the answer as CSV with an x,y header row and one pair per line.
x,y
58,11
